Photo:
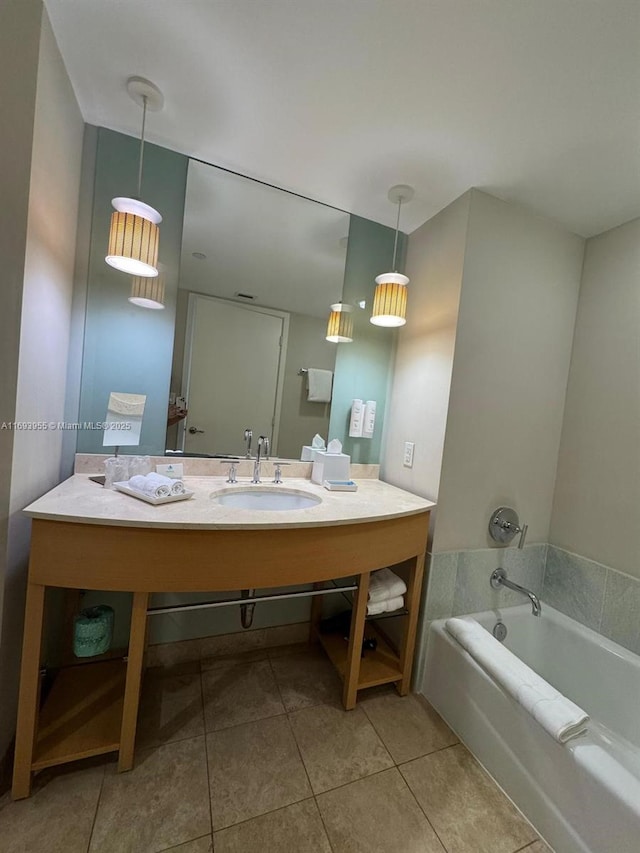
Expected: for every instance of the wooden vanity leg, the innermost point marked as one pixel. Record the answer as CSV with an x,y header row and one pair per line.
x,y
134,677
352,669
29,700
407,648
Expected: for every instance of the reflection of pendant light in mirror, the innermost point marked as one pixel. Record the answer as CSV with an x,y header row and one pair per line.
x,y
390,298
148,292
340,325
134,232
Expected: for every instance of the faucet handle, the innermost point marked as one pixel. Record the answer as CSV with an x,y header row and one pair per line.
x,y
233,470
277,473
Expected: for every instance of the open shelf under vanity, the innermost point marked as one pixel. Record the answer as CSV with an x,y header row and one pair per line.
x,y
377,666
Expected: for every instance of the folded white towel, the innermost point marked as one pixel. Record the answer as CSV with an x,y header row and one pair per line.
x,y
388,606
319,384
152,485
557,715
384,584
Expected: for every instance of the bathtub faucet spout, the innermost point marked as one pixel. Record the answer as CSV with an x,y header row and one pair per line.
x,y
499,578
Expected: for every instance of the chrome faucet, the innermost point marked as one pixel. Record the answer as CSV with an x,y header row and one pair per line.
x,y
233,471
499,578
248,435
263,447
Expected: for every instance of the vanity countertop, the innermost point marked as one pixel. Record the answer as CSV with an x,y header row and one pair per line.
x,y
82,501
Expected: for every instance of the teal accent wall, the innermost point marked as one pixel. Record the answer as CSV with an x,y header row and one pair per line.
x,y
128,348
363,368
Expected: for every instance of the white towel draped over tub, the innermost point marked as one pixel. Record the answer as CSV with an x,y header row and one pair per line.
x,y
557,715
319,384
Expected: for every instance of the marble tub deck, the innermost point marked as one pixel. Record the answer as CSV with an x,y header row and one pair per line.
x,y
251,753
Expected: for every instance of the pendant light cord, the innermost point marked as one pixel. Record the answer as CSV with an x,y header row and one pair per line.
x,y
144,120
395,242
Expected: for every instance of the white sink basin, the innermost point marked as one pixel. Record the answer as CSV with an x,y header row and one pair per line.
x,y
266,499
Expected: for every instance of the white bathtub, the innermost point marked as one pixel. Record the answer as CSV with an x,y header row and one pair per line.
x,y
583,797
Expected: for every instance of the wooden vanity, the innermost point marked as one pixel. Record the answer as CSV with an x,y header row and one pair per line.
x,y
85,537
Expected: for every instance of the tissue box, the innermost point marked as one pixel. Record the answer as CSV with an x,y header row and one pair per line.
x,y
330,466
307,453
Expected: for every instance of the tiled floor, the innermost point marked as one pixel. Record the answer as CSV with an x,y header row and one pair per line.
x,y
254,754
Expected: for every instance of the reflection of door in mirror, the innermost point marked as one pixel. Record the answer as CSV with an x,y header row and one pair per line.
x,y
234,371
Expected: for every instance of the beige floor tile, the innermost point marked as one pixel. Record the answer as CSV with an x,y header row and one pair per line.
x,y
162,802
408,727
376,815
173,654
232,660
57,818
537,847
200,845
306,679
232,644
290,649
253,769
337,746
295,829
170,709
238,694
465,807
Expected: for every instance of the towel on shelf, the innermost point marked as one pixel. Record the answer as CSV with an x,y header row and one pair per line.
x,y
319,384
384,584
177,487
558,716
388,606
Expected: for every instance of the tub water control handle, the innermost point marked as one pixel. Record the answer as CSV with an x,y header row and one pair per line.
x,y
504,525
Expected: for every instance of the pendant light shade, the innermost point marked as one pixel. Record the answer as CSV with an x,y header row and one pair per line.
x,y
148,292
390,298
134,237
134,234
340,324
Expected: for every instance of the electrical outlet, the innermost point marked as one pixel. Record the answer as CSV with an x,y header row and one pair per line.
x,y
407,459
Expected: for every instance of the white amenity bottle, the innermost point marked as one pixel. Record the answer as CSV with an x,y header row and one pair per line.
x,y
355,424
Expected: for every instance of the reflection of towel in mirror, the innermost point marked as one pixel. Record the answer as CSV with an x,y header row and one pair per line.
x,y
319,384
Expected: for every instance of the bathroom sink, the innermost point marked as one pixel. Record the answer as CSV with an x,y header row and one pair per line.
x,y
266,499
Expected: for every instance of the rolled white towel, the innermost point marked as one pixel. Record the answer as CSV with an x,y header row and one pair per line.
x,y
374,608
384,584
558,715
177,487
147,485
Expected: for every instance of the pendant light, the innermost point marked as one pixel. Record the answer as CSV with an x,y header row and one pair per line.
x,y
134,233
340,324
390,298
148,292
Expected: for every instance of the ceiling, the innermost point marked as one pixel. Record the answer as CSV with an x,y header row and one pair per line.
x,y
535,102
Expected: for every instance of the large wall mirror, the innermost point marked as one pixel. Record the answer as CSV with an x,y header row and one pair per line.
x,y
259,269
250,274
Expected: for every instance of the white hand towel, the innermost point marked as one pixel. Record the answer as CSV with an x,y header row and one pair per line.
x,y
147,485
177,487
388,606
557,715
385,584
319,384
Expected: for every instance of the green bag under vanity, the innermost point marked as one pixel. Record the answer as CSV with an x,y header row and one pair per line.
x,y
93,631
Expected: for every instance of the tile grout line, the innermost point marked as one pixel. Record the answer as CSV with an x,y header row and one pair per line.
x,y
206,757
426,816
304,766
182,843
95,814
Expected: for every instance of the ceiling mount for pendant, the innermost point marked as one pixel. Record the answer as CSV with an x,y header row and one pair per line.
x,y
134,233
390,298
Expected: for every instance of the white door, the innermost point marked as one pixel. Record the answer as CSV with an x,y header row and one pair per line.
x,y
234,365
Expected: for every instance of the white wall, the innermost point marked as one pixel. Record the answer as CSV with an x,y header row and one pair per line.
x,y
424,358
44,331
597,495
19,44
513,346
